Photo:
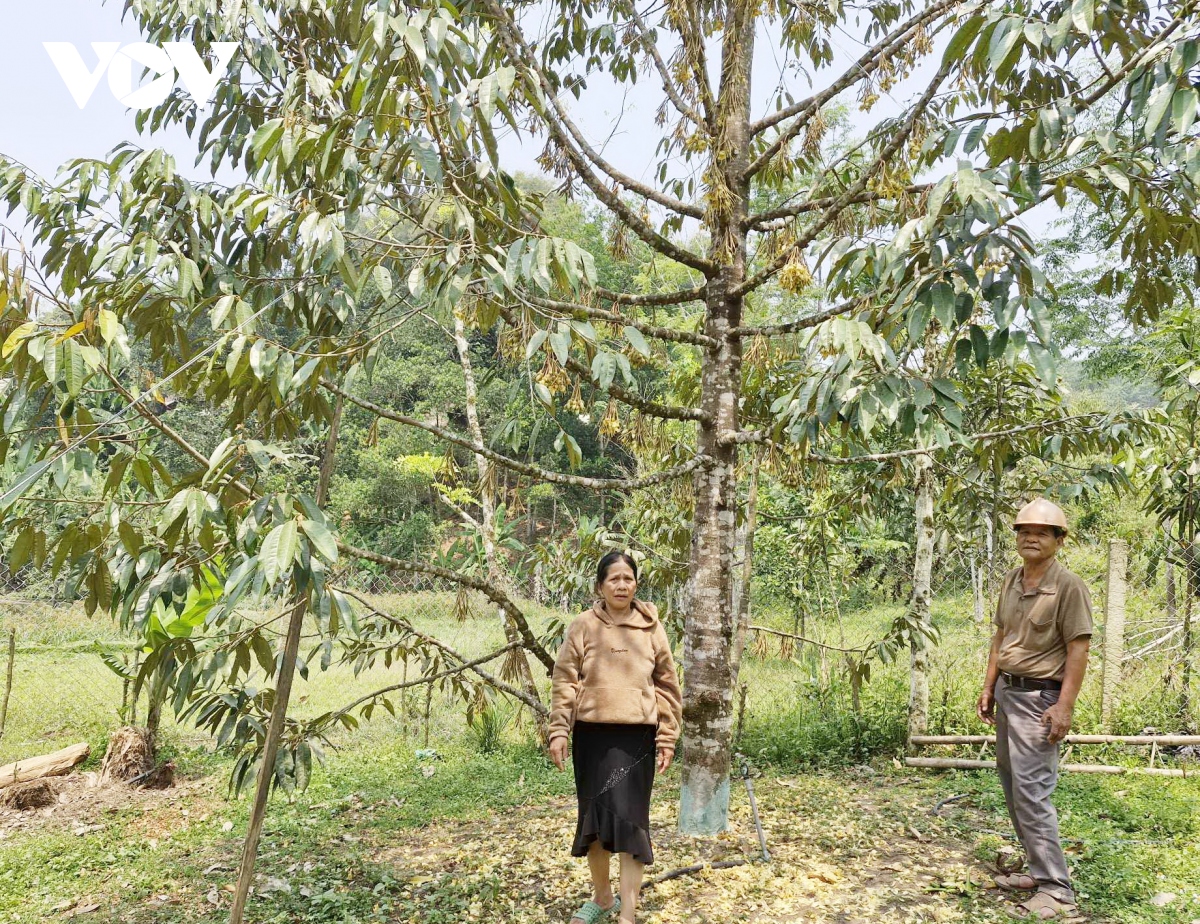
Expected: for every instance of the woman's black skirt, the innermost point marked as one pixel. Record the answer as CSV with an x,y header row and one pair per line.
x,y
614,773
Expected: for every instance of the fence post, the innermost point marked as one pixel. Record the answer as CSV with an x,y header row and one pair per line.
x,y
1114,629
8,679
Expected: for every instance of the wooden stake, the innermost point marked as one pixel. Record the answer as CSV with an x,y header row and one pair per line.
x,y
283,691
8,679
1114,629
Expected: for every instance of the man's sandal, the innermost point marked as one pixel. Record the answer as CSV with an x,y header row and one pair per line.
x,y
1043,907
589,912
1016,882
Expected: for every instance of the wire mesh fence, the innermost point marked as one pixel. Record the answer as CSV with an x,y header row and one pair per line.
x,y
813,685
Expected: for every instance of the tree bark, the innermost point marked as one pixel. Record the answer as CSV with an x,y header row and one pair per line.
x,y
743,585
487,503
918,699
709,630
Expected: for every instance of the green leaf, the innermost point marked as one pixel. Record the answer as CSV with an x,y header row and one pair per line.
x,y
1043,361
637,341
24,482
279,550
74,371
322,540
1157,106
979,342
560,341
383,281
1183,110
962,39
535,343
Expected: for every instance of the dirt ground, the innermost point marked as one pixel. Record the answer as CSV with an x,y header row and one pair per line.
x,y
82,803
843,851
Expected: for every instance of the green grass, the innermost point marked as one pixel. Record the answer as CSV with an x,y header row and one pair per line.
x,y
1131,837
1127,839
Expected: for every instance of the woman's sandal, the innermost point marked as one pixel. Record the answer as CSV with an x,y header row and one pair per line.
x,y
589,912
1043,907
1016,882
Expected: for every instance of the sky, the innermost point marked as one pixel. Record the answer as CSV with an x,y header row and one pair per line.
x,y
42,126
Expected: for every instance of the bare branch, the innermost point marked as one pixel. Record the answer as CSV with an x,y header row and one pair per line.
x,y
432,678
560,126
493,593
653,298
809,641
743,437
776,218
863,67
528,700
651,408
664,74
771,330
624,484
575,310
408,627
855,189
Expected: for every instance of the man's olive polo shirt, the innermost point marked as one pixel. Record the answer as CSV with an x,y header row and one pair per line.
x,y
1037,625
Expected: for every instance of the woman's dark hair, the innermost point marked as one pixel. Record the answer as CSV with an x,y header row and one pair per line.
x,y
611,559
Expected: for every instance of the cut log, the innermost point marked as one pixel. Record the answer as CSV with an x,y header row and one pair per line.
x,y
34,768
958,763
1163,741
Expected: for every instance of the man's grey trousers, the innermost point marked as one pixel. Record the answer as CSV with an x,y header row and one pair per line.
x,y
1028,765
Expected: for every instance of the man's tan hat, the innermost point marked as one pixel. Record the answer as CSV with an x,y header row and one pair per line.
x,y
1041,512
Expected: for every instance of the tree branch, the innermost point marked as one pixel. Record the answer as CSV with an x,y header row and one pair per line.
x,y
624,484
654,298
855,189
863,67
809,641
404,624
660,333
771,330
668,84
497,596
500,685
743,437
651,408
775,219
542,91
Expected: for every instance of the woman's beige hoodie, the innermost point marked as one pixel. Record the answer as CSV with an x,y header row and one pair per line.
x,y
619,671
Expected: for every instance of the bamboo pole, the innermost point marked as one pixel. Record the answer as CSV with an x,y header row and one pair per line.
x,y
1114,629
1160,740
958,763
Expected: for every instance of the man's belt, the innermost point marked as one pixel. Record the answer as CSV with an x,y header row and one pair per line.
x,y
1030,683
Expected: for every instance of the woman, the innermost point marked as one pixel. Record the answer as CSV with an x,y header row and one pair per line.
x,y
615,687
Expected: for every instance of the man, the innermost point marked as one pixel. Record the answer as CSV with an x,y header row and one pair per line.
x,y
1035,669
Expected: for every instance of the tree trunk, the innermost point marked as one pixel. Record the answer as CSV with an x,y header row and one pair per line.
x,y
487,500
707,650
742,591
918,699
